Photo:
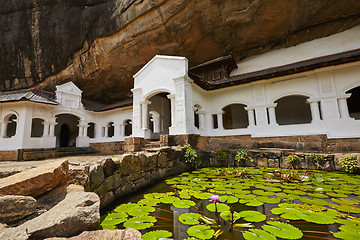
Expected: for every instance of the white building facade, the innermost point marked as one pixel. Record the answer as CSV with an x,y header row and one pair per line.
x,y
309,89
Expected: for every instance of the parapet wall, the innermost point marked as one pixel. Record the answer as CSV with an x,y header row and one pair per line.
x,y
117,176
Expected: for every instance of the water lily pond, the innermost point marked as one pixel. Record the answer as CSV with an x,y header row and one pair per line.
x,y
244,203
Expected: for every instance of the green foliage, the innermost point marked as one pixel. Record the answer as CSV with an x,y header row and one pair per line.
x,y
252,216
316,158
191,156
140,223
242,156
190,218
221,156
155,235
349,163
283,230
291,159
257,234
201,232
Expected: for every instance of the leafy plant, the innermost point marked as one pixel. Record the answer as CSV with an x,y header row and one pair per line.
x,y
191,156
292,159
221,156
349,163
241,156
283,230
201,232
155,235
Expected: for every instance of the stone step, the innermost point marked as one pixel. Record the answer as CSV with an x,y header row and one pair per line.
x,y
43,153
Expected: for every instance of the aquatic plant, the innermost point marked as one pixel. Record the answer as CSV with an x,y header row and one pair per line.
x,y
349,163
292,159
283,230
221,156
155,235
241,157
191,156
317,159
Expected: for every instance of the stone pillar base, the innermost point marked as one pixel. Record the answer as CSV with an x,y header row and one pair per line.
x,y
133,144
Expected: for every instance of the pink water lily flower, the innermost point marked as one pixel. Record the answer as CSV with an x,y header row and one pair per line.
x,y
215,198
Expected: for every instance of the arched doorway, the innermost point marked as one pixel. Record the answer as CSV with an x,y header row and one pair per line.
x,y
128,127
292,110
66,130
64,135
160,112
11,120
235,116
353,103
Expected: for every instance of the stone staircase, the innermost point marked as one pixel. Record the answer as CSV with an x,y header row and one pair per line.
x,y
149,144
43,153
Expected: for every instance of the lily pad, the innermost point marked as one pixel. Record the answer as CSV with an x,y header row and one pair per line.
x,y
252,216
283,230
314,201
140,210
140,223
262,192
257,234
156,235
254,203
229,199
183,204
220,207
200,232
113,219
190,218
226,215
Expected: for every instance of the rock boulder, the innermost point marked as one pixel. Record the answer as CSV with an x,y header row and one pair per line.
x,y
36,181
126,234
14,207
78,212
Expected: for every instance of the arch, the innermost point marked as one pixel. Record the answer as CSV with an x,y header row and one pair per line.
x,y
110,129
91,130
307,95
157,91
349,87
159,113
220,109
37,128
235,116
66,130
353,102
196,110
11,124
80,117
293,109
128,127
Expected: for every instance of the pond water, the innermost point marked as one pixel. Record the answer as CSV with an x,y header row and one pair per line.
x,y
247,203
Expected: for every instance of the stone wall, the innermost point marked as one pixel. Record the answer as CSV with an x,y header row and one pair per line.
x,y
108,147
117,176
8,155
311,143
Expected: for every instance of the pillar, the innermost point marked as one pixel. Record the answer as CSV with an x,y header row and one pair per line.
x,y
272,116
220,121
144,114
52,128
201,120
314,108
156,122
46,130
3,128
343,107
172,108
250,112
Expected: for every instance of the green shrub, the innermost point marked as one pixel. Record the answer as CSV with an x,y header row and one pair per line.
x,y
291,159
242,156
191,156
316,158
221,156
349,163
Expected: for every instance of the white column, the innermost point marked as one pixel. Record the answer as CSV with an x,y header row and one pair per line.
x,y
85,130
251,117
52,129
220,121
343,107
172,108
121,129
156,122
144,115
82,125
201,120
106,128
46,129
272,116
315,112
3,128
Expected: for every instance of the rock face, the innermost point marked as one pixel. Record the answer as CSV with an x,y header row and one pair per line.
x,y
100,44
13,207
106,234
78,212
36,181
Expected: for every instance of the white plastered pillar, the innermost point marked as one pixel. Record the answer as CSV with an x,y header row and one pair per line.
x,y
314,108
82,140
201,120
3,128
220,121
272,115
48,138
251,116
343,107
172,108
